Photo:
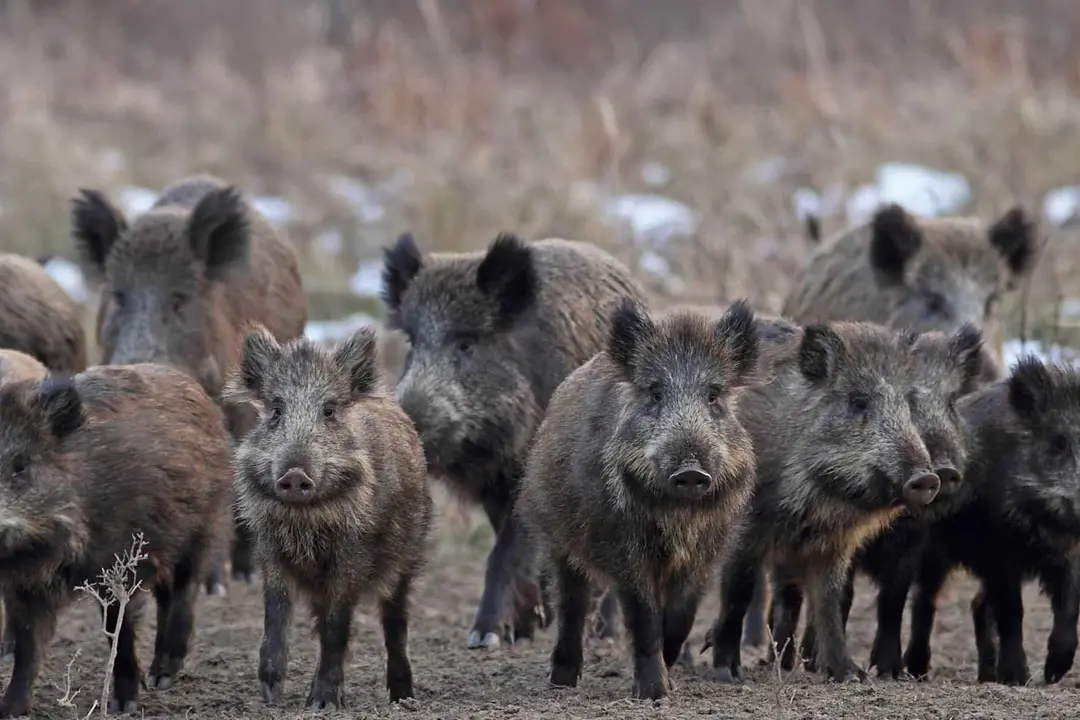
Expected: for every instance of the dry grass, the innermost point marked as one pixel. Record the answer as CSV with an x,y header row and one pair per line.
x,y
498,111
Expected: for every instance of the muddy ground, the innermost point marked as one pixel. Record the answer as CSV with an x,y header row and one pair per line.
x,y
219,679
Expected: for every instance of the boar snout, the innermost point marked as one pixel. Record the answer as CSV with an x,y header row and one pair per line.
x,y
295,486
950,480
690,482
922,489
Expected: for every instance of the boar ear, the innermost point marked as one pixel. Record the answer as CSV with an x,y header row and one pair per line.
x,y
359,356
895,239
59,403
95,225
220,232
738,332
812,227
507,275
1015,236
258,353
819,352
966,350
401,262
1031,388
630,325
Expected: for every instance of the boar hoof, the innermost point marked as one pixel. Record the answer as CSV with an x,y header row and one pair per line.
x,y
1013,674
217,590
727,674
123,707
14,708
565,675
325,698
160,682
248,577
271,691
487,641
651,686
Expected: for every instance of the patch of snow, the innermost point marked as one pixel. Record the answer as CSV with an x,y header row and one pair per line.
x,y
1013,350
653,263
824,204
68,275
652,218
332,330
367,280
654,174
923,191
1061,205
329,242
135,200
112,160
276,210
364,201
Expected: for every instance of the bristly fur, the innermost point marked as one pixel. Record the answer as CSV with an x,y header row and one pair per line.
x,y
38,317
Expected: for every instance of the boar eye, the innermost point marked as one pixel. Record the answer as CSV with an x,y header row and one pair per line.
x,y
656,393
329,411
714,395
858,403
18,465
935,304
276,411
1059,444
119,297
464,345
178,301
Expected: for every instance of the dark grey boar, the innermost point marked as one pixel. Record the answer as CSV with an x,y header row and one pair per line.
x,y
1018,519
180,282
945,368
38,317
492,335
88,461
333,483
639,471
838,459
918,273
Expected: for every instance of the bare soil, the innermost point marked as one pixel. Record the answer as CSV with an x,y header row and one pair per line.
x,y
219,680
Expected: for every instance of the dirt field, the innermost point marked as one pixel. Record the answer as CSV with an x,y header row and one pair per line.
x,y
219,680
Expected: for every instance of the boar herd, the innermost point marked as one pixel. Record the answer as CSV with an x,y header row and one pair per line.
x,y
623,454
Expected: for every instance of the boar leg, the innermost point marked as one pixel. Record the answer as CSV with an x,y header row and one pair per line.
x,y
1007,602
678,620
809,640
982,617
497,578
333,618
644,624
34,627
175,620
274,651
933,570
892,595
826,587
572,592
754,627
243,563
736,589
786,606
1063,586
127,677
7,640
606,627
395,625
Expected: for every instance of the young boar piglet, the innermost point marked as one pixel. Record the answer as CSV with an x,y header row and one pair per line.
x,y
85,463
639,471
331,482
838,459
493,333
945,368
1019,520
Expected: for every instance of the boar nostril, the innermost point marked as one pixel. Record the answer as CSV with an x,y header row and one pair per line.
x,y
690,477
950,479
922,489
295,485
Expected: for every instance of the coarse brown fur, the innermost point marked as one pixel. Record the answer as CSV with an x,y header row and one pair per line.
x,y
327,416
87,462
492,335
835,447
181,280
919,273
38,317
598,495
